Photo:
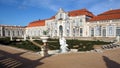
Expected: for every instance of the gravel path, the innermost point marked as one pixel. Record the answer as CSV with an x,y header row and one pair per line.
x,y
11,57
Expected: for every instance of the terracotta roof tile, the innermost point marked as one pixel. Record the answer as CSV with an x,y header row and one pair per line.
x,y
80,12
77,13
111,14
53,17
37,23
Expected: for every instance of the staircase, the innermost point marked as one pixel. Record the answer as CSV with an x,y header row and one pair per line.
x,y
35,43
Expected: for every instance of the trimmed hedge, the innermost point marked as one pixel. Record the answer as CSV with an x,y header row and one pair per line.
x,y
19,44
53,44
84,45
5,41
81,45
25,45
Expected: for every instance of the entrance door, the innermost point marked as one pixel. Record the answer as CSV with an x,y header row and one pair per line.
x,y
60,30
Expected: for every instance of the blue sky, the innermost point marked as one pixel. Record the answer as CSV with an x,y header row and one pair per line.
x,y
22,12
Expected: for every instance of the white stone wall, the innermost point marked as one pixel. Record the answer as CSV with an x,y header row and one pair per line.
x,y
35,31
109,25
69,24
14,31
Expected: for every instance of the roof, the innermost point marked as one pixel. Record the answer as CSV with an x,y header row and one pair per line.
x,y
108,15
37,23
77,13
53,17
80,12
70,13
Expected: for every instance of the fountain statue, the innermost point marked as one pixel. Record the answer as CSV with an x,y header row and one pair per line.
x,y
63,45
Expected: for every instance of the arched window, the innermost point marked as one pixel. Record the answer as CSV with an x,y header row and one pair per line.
x,y
98,31
110,29
61,30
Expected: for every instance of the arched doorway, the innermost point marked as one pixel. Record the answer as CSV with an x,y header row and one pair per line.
x,y
60,30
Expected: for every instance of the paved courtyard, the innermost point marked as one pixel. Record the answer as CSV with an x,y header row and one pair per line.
x,y
11,57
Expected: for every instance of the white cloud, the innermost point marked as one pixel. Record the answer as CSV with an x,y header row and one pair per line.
x,y
104,6
40,4
96,6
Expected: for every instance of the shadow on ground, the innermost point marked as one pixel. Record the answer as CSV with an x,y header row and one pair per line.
x,y
110,63
8,60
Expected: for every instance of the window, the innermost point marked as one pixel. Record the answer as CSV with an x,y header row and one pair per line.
x,y
92,31
104,31
60,15
67,32
80,22
73,31
13,33
118,31
98,31
110,30
18,32
81,31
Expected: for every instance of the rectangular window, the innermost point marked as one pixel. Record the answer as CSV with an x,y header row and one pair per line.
x,y
104,31
80,22
67,32
92,31
81,31
118,31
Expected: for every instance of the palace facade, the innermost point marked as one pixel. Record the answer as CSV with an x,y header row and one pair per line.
x,y
77,23
11,31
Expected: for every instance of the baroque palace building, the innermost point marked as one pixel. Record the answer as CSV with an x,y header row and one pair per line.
x,y
77,23
12,31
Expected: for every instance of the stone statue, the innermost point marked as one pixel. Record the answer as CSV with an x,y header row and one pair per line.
x,y
63,45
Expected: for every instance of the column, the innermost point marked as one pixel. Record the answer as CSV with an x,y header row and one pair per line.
x,y
11,35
